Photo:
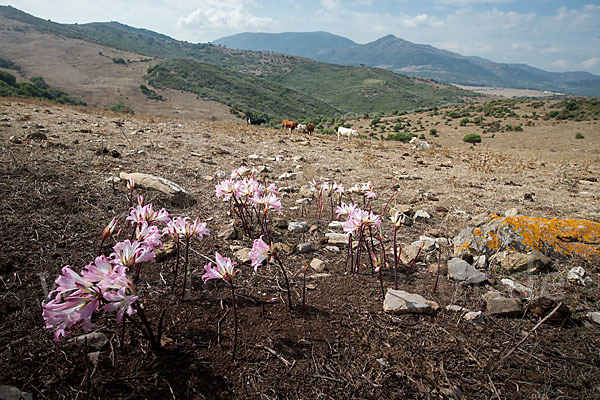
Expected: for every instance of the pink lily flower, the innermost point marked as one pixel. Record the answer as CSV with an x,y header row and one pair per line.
x,y
148,234
127,253
121,302
224,269
260,252
225,189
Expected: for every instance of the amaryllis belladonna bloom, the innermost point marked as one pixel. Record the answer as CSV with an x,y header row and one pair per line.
x,y
223,270
259,253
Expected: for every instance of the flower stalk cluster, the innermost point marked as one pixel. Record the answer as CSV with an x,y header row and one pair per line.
x,y
249,199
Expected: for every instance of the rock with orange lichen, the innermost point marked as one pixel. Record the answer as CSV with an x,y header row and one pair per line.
x,y
561,238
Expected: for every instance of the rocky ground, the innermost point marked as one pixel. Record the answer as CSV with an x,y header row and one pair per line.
x,y
471,339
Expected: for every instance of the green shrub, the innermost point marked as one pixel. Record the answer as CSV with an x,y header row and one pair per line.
x,y
433,132
119,61
472,138
579,136
401,137
149,93
120,107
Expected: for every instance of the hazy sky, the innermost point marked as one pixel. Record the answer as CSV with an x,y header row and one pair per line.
x,y
555,35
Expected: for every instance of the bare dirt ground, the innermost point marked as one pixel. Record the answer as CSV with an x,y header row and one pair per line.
x,y
55,201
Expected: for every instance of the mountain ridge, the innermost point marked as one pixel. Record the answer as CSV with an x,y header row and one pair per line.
x,y
426,61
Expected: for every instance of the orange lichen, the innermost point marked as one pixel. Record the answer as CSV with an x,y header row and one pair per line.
x,y
567,237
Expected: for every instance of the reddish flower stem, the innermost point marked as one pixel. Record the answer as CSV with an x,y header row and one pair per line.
x,y
235,321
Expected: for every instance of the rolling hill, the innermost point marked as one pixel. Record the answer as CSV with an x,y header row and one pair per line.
x,y
417,60
270,84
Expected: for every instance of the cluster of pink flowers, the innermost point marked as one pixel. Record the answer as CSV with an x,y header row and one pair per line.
x,y
357,219
249,191
249,198
101,286
106,285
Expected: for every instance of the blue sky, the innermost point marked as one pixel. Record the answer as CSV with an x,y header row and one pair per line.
x,y
555,35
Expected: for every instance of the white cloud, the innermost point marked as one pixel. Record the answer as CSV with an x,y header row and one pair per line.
x,y
560,64
223,14
331,4
418,21
592,62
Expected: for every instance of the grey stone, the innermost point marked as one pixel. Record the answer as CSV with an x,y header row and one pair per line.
x,y
336,225
555,238
401,302
594,316
511,212
95,340
517,287
442,241
305,248
13,393
242,255
298,227
307,191
473,316
456,308
337,238
427,242
228,232
578,275
409,253
333,249
317,265
177,194
504,306
94,357
515,262
254,157
461,270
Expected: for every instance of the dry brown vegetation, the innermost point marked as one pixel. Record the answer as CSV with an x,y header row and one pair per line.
x,y
55,201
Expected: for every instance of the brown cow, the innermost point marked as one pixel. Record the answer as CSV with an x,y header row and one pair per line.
x,y
288,124
310,128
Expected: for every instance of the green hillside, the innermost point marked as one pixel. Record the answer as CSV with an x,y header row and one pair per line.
x,y
241,92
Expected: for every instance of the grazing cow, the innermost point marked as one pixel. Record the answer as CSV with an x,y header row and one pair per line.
x,y
255,121
301,128
310,128
288,124
346,131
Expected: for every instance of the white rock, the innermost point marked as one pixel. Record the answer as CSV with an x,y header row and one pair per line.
x,y
243,255
253,156
421,214
333,249
317,265
511,212
298,227
337,238
456,308
480,262
473,316
517,287
428,243
401,302
594,316
13,393
578,275
336,224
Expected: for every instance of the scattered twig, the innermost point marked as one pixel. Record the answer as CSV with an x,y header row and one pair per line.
x,y
504,357
276,354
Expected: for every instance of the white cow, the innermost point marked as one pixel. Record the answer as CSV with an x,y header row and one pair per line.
x,y
346,131
301,128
